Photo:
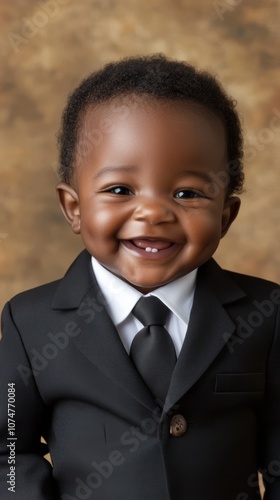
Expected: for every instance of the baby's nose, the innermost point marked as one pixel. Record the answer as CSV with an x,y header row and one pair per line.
x,y
154,211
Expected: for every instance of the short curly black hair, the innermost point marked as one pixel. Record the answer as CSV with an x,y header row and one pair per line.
x,y
160,78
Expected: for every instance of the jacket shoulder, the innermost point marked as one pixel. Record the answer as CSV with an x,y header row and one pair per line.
x,y
42,294
253,285
230,286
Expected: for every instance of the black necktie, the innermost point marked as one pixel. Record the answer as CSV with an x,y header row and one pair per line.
x,y
152,349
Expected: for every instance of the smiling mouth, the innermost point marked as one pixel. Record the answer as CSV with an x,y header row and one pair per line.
x,y
151,247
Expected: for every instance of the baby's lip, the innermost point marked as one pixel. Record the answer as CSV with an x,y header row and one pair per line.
x,y
158,243
152,248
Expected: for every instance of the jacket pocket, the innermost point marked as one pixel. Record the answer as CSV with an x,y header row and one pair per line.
x,y
239,382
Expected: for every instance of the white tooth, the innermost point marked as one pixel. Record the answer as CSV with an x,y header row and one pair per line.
x,y
154,250
148,249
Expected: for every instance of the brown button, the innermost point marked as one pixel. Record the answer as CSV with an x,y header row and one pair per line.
x,y
178,426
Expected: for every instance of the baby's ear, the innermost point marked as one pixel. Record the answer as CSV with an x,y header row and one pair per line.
x,y
69,204
230,212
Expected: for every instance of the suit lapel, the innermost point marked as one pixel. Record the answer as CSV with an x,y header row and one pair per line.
x,y
100,343
209,325
99,340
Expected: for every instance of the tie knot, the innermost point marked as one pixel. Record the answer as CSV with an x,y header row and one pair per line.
x,y
151,311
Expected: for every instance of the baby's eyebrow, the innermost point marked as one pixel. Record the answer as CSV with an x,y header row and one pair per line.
x,y
115,168
196,173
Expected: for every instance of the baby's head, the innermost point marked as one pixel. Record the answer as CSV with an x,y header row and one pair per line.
x,y
150,160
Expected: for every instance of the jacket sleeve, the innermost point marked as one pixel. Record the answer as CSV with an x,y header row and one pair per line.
x,y
24,472
271,438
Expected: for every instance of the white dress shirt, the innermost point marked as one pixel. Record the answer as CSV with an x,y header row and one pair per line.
x,y
120,298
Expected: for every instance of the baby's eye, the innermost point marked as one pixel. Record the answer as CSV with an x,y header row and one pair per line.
x,y
187,193
121,190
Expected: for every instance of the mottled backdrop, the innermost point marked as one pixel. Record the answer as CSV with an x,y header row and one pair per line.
x,y
48,46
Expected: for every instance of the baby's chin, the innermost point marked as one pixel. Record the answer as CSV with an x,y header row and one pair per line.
x,y
146,286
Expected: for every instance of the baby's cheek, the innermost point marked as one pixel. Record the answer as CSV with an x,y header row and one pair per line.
x,y
204,226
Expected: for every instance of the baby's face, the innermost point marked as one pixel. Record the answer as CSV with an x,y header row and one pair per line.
x,y
145,197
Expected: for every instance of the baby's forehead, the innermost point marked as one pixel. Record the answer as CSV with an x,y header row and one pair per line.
x,y
101,116
142,129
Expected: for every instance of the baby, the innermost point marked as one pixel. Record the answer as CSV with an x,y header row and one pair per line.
x,y
151,373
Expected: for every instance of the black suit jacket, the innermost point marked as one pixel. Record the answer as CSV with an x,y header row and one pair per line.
x,y
108,438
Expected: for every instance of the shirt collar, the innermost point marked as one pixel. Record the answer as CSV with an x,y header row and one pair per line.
x,y
121,297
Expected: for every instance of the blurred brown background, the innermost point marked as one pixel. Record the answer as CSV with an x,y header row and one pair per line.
x,y
48,46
